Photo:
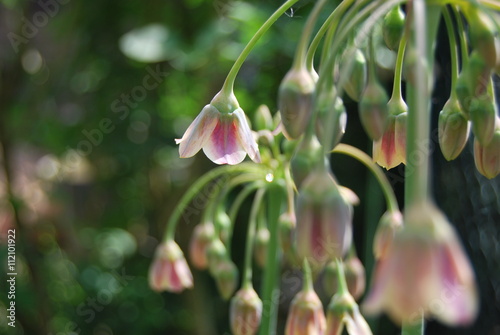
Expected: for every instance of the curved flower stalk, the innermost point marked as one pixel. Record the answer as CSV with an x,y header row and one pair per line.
x,y
424,271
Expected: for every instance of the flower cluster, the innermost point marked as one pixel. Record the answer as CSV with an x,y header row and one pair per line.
x,y
301,214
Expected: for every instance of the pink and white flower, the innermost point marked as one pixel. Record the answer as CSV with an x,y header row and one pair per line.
x,y
225,137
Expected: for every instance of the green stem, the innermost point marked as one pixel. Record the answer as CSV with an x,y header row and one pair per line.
x,y
227,88
464,52
453,50
300,54
270,281
247,268
390,198
414,327
196,188
236,206
398,69
342,284
308,282
418,96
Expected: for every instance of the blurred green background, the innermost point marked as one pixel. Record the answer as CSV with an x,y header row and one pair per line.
x,y
92,96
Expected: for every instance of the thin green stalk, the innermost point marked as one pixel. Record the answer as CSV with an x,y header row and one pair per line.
x,y
236,206
227,88
270,281
300,53
196,188
308,282
390,198
453,50
398,69
247,267
464,48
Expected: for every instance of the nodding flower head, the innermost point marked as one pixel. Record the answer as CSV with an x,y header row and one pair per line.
x,y
222,130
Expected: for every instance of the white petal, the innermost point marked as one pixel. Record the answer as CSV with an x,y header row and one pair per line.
x,y
198,132
223,145
245,136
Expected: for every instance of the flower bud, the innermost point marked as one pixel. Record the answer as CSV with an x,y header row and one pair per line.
x,y
202,235
354,275
260,247
306,316
393,27
388,226
216,253
295,101
463,90
484,36
453,129
245,312
225,274
331,119
487,158
324,219
482,115
223,223
169,270
263,119
478,75
356,82
349,195
373,110
306,157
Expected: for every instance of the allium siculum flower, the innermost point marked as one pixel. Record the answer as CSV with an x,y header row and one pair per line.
x,y
390,150
306,315
245,312
169,271
425,271
453,129
487,158
222,130
225,274
324,219
200,239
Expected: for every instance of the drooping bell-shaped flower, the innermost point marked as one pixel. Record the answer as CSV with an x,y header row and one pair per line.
x,y
453,129
390,223
425,271
222,130
343,311
324,219
245,312
306,315
390,150
169,270
226,276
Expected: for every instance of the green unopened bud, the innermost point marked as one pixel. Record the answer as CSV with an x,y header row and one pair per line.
x,y
373,110
295,101
260,247
331,118
463,91
482,115
484,36
226,278
393,27
287,223
223,223
356,82
306,157
245,312
216,254
263,119
487,157
479,75
453,129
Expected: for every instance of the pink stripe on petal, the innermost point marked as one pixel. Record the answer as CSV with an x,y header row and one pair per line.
x,y
223,147
198,132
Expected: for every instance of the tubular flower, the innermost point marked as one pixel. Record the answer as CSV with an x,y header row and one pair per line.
x,y
324,219
169,271
222,130
202,235
245,312
425,271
